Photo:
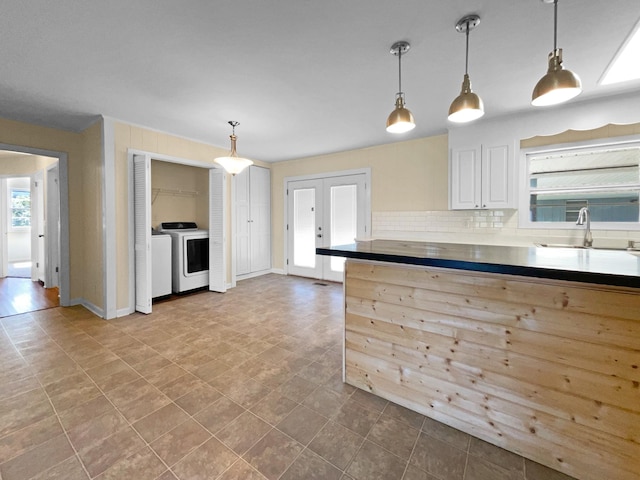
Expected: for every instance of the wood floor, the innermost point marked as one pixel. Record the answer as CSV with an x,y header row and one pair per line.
x,y
21,295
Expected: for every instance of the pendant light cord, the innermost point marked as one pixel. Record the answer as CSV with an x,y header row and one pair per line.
x,y
400,70
555,25
466,58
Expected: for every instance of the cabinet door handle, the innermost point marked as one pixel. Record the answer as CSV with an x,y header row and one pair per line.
x,y
484,206
319,235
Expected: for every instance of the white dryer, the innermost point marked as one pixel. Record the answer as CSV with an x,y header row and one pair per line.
x,y
190,253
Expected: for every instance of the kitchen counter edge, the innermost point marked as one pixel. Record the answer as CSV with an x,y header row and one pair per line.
x,y
602,267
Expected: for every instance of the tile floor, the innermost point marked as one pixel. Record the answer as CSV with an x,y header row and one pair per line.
x,y
245,385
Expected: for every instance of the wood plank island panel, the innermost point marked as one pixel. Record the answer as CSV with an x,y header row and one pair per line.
x,y
548,369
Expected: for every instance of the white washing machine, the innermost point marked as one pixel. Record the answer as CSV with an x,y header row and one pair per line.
x,y
190,255
160,264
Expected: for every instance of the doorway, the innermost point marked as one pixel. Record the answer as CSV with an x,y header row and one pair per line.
x,y
140,221
324,212
16,226
27,201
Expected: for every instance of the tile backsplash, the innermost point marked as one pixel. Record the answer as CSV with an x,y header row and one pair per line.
x,y
499,227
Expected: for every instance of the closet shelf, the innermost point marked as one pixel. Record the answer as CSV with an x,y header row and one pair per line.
x,y
173,192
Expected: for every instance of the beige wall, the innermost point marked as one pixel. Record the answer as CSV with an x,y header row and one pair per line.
x,y
409,175
24,164
44,162
18,165
92,225
179,193
33,136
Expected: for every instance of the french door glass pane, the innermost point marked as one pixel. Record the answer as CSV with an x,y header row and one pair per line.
x,y
304,225
344,219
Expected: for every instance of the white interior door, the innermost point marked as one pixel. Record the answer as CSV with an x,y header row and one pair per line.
x,y
4,247
142,231
243,222
52,229
37,226
253,220
324,212
260,218
217,230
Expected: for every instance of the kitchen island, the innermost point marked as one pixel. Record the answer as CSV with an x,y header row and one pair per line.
x,y
536,350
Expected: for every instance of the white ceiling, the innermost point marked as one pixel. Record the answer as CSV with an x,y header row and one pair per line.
x,y
302,77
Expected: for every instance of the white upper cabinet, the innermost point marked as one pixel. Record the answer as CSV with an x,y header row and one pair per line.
x,y
482,176
253,220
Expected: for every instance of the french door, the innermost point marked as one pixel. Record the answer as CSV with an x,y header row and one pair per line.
x,y
324,212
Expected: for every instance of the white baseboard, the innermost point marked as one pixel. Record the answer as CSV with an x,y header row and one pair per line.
x,y
252,275
123,312
279,271
88,305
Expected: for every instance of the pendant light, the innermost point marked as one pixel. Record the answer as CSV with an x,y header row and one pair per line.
x,y
233,164
400,120
558,85
467,106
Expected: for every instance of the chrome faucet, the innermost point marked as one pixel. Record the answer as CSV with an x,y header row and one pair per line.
x,y
583,216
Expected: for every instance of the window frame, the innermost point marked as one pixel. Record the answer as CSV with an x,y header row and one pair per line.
x,y
10,227
525,189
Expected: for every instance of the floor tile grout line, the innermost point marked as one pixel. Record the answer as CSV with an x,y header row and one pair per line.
x,y
239,459
305,447
148,444
110,402
247,409
275,427
192,416
55,411
213,435
413,449
363,442
298,404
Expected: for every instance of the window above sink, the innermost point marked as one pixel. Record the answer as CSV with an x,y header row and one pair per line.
x,y
557,181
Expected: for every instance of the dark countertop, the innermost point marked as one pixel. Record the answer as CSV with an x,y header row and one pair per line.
x,y
605,267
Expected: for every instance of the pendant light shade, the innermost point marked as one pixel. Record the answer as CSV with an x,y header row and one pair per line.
x,y
467,106
558,85
400,120
233,164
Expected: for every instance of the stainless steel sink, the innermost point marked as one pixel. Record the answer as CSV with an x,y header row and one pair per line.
x,y
560,245
634,250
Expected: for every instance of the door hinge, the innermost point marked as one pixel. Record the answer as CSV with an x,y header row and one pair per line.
x,y
287,261
56,269
37,264
287,227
